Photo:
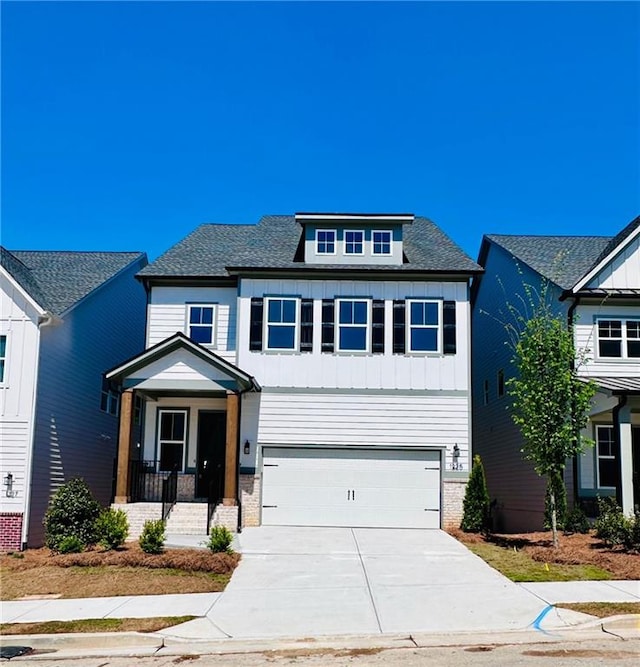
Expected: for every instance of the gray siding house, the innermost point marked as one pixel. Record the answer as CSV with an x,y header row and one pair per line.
x,y
66,316
593,282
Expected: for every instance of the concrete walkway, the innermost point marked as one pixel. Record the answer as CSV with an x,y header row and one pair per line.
x,y
300,582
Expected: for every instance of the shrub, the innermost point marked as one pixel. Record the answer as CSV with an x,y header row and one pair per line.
x,y
70,544
72,512
220,540
153,536
556,483
475,517
611,524
631,538
577,522
112,528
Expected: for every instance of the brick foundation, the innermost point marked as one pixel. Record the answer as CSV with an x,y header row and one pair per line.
x,y
10,531
250,499
227,516
452,498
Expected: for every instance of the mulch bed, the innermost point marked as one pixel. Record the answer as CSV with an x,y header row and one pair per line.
x,y
573,550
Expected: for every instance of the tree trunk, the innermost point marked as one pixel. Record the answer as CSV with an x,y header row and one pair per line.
x,y
554,521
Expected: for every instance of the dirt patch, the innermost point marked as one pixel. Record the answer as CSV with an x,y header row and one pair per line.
x,y
581,653
329,652
128,571
94,625
573,550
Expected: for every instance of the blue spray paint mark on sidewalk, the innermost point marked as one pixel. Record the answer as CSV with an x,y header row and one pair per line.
x,y
536,623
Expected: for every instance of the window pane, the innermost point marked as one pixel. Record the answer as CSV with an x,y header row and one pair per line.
x,y
431,313
424,340
633,348
417,313
201,334
359,312
281,338
346,310
610,348
353,338
608,472
194,315
275,310
3,346
170,456
610,328
104,399
178,426
289,311
207,316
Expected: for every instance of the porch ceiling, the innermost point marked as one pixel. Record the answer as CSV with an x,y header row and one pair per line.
x,y
617,385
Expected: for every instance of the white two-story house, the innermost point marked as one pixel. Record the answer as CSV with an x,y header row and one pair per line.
x,y
64,317
593,282
306,370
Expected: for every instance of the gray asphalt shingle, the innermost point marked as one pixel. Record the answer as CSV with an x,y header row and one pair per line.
x,y
59,279
273,244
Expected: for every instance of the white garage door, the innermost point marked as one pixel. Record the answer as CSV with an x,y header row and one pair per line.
x,y
382,488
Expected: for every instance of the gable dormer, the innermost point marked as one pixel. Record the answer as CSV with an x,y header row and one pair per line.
x,y
353,238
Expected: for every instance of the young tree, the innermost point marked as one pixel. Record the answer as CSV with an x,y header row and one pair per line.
x,y
475,515
550,402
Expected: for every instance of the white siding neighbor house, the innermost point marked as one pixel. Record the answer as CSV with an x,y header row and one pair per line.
x,y
64,318
595,283
307,370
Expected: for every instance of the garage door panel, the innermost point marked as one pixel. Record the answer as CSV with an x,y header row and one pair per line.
x,y
349,487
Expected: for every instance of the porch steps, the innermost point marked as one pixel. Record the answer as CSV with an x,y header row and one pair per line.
x,y
188,519
138,513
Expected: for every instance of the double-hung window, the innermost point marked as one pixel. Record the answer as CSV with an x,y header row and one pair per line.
x,y
282,324
201,322
353,325
424,319
3,356
353,242
619,339
607,456
381,242
172,438
326,241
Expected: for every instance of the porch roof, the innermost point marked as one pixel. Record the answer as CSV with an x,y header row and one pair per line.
x,y
143,371
616,384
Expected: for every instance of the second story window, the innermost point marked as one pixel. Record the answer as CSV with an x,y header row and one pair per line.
x,y
619,339
201,322
109,397
424,326
326,241
381,243
282,319
353,325
500,383
353,242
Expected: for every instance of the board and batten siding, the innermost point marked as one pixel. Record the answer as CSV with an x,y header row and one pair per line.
x,y
623,272
357,370
371,420
73,437
167,313
19,323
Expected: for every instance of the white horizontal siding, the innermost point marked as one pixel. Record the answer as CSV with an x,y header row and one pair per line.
x,y
14,443
587,341
371,420
167,313
357,371
623,272
180,365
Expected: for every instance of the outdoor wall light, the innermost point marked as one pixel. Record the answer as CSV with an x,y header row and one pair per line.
x,y
8,482
247,447
456,457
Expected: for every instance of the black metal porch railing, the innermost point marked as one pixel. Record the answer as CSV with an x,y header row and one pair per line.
x,y
146,481
169,493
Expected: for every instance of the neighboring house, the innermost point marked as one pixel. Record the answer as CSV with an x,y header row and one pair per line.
x,y
308,370
595,283
65,317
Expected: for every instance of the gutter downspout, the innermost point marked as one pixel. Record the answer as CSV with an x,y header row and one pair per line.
x,y
576,460
622,401
45,320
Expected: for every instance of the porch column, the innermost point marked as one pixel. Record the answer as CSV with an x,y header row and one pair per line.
x,y
124,446
626,460
231,453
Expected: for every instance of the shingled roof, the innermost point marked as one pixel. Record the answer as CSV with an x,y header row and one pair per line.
x,y
57,280
561,259
215,250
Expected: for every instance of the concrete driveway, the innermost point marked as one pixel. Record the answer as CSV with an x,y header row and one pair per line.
x,y
325,581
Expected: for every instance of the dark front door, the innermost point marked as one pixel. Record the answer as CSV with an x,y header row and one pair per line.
x,y
212,432
636,468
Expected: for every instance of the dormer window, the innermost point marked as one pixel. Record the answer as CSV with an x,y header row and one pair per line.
x,y
326,242
353,242
381,242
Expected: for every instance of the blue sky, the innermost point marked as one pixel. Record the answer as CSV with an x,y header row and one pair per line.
x,y
125,125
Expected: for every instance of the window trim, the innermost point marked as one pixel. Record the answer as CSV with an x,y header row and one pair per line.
x,y
500,383
409,326
366,326
111,395
296,324
598,428
335,242
214,319
3,374
159,441
624,340
381,231
344,242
